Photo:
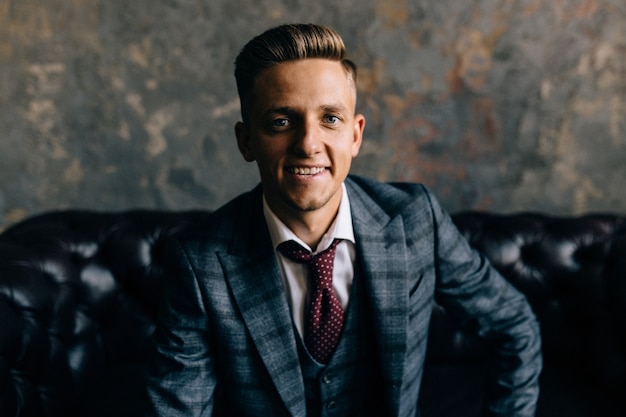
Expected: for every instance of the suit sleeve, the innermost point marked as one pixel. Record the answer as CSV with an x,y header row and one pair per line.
x,y
483,302
181,379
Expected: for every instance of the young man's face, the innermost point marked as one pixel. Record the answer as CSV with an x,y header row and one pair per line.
x,y
303,134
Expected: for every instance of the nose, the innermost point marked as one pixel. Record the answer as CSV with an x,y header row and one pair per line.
x,y
307,139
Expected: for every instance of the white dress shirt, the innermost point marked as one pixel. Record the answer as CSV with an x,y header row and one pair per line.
x,y
294,274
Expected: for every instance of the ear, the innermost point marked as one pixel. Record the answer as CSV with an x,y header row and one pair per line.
x,y
242,133
359,126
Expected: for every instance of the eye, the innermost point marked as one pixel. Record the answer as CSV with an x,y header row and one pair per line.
x,y
331,119
280,123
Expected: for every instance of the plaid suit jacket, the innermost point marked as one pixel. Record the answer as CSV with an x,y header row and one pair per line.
x,y
226,342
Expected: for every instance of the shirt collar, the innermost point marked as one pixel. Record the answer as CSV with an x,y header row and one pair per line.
x,y
341,228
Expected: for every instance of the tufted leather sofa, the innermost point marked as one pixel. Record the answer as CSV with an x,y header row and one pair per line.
x,y
79,294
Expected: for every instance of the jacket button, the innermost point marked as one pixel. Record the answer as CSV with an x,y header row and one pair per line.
x,y
326,379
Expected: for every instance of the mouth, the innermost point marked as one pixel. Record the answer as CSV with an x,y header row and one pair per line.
x,y
306,170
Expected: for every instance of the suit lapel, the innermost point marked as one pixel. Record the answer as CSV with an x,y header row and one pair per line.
x,y
252,273
381,251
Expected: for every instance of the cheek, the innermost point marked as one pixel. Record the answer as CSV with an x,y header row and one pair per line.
x,y
350,149
267,153
344,158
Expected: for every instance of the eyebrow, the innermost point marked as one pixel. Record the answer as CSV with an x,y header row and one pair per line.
x,y
325,107
334,108
284,109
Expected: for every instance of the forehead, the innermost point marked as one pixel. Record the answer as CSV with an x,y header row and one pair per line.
x,y
303,81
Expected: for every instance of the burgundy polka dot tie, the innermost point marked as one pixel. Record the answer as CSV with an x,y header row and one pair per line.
x,y
325,317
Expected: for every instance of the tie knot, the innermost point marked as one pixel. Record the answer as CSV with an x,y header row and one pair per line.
x,y
294,251
320,265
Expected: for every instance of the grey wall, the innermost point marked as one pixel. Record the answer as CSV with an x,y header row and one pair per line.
x,y
501,105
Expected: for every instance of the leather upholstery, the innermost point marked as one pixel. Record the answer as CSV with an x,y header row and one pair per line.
x,y
79,294
573,272
78,298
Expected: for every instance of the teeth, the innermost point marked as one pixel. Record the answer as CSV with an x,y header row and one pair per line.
x,y
306,171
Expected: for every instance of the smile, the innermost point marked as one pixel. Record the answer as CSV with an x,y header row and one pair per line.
x,y
305,170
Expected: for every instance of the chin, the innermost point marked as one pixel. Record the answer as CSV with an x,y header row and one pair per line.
x,y
309,201
304,207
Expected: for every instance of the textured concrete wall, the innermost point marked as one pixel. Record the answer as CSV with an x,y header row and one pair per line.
x,y
501,105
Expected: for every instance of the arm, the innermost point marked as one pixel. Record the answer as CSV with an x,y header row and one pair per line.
x,y
483,302
182,370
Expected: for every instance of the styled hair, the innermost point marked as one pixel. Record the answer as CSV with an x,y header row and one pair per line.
x,y
284,43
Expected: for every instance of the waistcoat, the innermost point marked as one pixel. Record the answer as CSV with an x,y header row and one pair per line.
x,y
350,384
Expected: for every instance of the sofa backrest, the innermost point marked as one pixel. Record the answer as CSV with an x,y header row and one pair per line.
x,y
573,272
78,299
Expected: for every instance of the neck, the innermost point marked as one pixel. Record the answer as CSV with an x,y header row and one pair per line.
x,y
310,226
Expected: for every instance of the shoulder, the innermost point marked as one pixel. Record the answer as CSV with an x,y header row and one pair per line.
x,y
219,226
390,197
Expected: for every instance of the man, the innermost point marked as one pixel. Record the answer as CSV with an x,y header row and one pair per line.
x,y
241,333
